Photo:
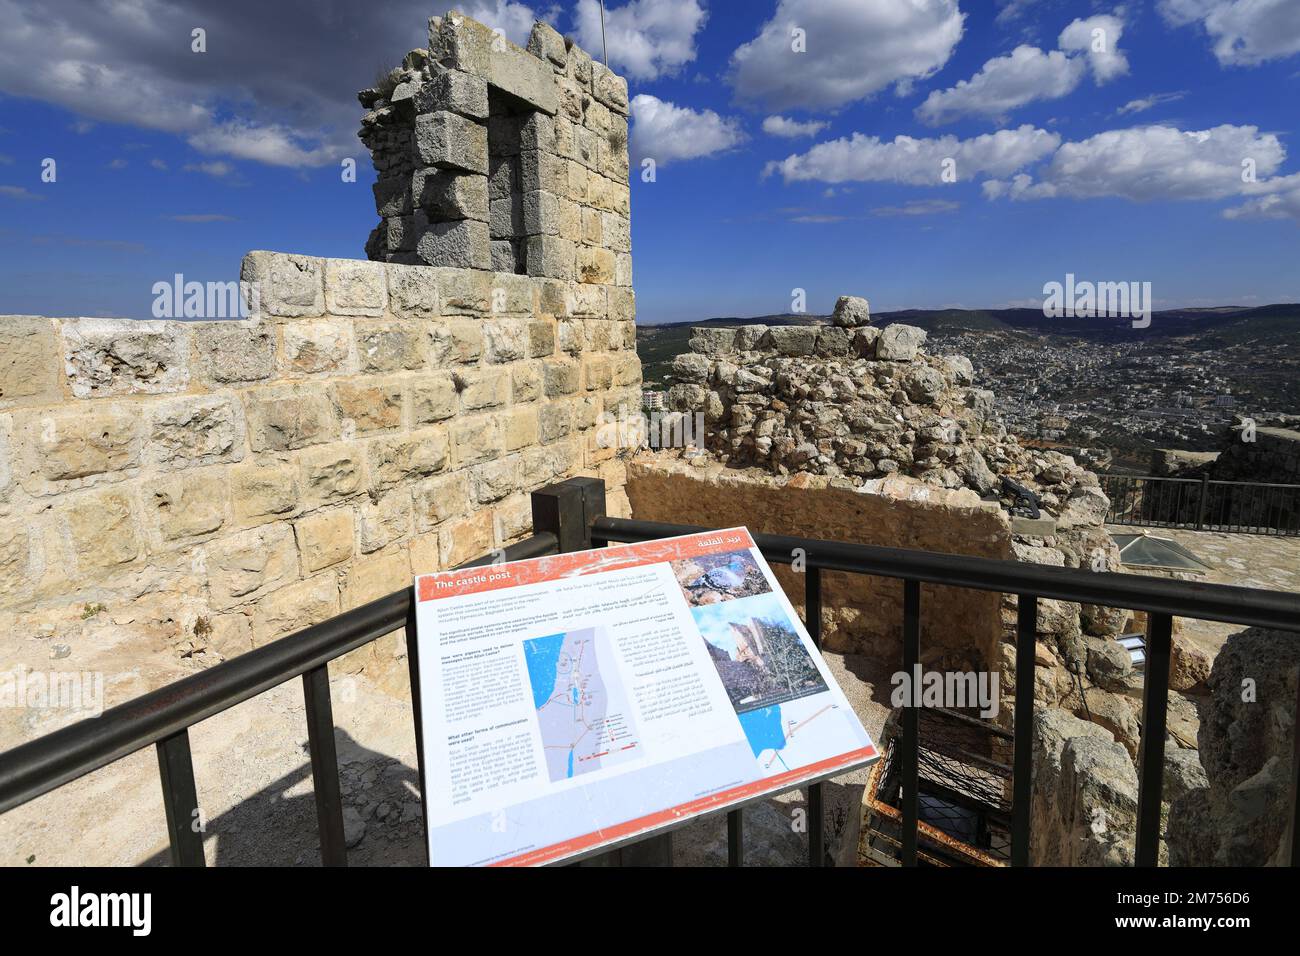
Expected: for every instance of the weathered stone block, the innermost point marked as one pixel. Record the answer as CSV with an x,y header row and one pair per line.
x,y
285,285
369,406
463,291
595,265
189,505
462,244
541,338
475,438
195,431
412,291
29,360
597,372
75,443
285,418
506,340
383,521
124,357
395,460
235,352
325,539
554,421
392,198
542,171
376,577
482,388
295,607
247,565
313,347
102,529
449,141
263,492
560,376
454,90
551,256
547,44
506,219
623,269
434,398
384,346
446,194
590,300
525,381
331,473
791,340
466,341
505,255
627,372
355,287
467,538
541,213
15,559
899,343
519,427
435,500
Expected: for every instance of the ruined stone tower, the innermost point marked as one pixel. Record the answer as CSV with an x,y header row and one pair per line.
x,y
495,157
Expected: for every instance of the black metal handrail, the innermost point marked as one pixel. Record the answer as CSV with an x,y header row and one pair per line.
x,y
1162,599
1203,504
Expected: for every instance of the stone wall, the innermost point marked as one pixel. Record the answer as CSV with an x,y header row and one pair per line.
x,y
960,628
492,156
185,491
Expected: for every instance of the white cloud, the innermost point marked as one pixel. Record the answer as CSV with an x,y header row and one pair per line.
x,y
1003,84
792,129
854,49
1098,37
1142,104
666,132
216,168
1244,32
1152,163
919,207
918,162
20,192
647,38
1027,74
1277,198
273,144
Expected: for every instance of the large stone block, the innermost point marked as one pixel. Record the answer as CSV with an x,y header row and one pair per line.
x,y
560,377
386,346
367,406
434,398
325,539
467,538
125,357
546,43
263,492
449,141
412,291
195,431
284,418
462,244
295,607
408,457
475,438
446,194
103,531
541,213
454,90
595,265
436,500
235,352
29,360
286,286
188,505
331,473
355,287
542,171
385,520
899,343
72,443
551,256
482,387
506,340
519,427
376,577
247,565
314,347
525,381
470,46
463,291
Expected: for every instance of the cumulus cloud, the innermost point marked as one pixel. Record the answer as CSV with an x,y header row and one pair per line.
x,y
854,49
1147,163
513,19
666,132
647,38
792,129
920,162
1243,32
1097,38
1028,74
1280,200
1003,84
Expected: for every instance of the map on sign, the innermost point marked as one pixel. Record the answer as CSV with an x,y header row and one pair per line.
x,y
581,714
579,701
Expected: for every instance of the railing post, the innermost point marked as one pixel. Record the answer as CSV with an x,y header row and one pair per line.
x,y
812,613
736,837
325,766
413,669
1151,752
561,510
1023,769
910,765
1204,502
176,770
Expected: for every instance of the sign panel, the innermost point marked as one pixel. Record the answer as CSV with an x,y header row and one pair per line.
x,y
582,700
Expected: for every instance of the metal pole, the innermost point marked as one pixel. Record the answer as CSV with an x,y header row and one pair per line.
x,y
603,45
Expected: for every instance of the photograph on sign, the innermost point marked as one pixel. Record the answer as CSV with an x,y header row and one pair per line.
x,y
583,700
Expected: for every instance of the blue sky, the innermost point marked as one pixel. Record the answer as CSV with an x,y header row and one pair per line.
x,y
1100,139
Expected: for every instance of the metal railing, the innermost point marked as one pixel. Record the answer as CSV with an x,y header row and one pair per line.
x,y
1202,504
570,516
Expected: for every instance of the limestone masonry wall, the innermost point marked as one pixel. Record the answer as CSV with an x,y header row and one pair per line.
x,y
195,489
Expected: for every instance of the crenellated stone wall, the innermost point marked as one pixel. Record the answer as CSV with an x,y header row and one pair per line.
x,y
185,491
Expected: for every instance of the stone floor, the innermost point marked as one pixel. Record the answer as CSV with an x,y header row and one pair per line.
x,y
1243,560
